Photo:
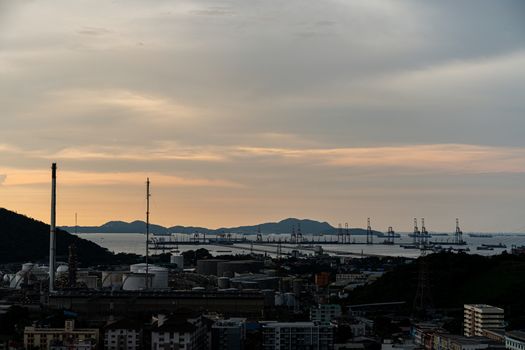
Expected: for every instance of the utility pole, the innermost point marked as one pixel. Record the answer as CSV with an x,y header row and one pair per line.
x,y
148,195
52,228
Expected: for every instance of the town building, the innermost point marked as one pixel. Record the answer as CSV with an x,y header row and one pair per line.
x,y
179,333
228,334
123,335
298,335
478,317
325,312
69,336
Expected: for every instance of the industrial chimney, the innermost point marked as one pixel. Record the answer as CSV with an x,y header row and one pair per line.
x,y
52,243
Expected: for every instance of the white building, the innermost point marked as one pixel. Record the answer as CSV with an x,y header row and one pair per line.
x,y
478,317
515,340
298,335
325,312
179,333
123,335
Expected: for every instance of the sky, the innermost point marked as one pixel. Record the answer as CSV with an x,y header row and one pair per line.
x,y
242,112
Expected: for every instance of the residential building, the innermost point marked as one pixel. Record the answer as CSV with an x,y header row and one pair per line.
x,y
322,279
228,334
77,338
123,335
325,312
515,340
179,333
446,341
478,317
297,335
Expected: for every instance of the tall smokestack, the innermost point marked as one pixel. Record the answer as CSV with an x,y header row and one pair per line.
x,y
52,243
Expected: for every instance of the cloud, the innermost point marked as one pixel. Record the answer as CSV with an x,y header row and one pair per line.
x,y
95,31
2,178
161,151
448,158
29,177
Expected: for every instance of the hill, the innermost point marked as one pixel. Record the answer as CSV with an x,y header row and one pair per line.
x,y
454,280
283,226
23,239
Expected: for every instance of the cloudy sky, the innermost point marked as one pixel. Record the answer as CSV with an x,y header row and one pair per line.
x,y
242,112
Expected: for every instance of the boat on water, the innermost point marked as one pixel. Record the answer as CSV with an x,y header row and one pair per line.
x,y
481,247
409,246
480,235
499,245
420,235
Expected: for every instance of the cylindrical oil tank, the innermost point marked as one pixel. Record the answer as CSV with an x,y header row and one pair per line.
x,y
279,299
239,266
177,260
160,277
133,281
297,286
62,270
112,279
8,277
289,299
27,267
137,267
208,266
17,280
223,283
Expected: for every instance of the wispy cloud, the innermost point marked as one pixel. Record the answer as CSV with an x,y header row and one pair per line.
x,y
164,151
455,158
29,177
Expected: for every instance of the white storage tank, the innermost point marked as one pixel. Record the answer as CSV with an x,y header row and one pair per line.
x,y
137,267
223,283
134,281
112,279
177,260
8,277
17,281
62,270
289,299
160,277
279,299
27,267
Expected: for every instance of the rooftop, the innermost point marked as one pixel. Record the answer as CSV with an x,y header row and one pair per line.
x,y
518,335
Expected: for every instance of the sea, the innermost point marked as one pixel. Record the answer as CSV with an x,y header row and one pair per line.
x,y
135,243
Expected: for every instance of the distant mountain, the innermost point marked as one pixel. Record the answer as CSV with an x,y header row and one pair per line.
x,y
23,239
285,226
118,227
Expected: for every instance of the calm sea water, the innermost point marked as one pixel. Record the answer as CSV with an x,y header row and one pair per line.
x,y
135,243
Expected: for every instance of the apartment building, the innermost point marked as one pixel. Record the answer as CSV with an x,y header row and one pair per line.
x,y
478,317
69,336
298,336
